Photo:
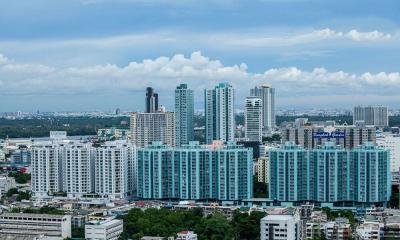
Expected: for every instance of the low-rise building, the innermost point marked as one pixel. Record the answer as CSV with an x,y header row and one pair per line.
x,y
285,225
6,183
338,229
109,229
25,224
370,230
186,235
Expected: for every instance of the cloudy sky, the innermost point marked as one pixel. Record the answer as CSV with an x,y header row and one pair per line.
x,y
101,54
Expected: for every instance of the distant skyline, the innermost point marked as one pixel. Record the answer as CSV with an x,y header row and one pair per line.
x,y
82,55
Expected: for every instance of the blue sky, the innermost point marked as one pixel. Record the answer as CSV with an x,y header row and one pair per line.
x,y
101,54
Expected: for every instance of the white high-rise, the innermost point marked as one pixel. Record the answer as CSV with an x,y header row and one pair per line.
x,y
267,93
391,142
46,166
114,170
219,111
184,113
76,169
253,119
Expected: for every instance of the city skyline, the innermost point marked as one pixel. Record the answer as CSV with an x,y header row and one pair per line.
x,y
98,54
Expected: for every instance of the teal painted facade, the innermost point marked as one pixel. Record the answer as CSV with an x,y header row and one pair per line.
x,y
195,172
330,174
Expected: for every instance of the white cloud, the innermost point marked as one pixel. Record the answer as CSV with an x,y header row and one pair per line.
x,y
327,34
353,35
3,59
198,71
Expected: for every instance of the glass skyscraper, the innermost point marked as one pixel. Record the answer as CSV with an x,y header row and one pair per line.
x,y
331,174
184,113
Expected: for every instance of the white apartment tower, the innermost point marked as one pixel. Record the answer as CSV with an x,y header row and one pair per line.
x,y
219,111
253,119
46,169
114,170
76,169
267,93
153,127
184,113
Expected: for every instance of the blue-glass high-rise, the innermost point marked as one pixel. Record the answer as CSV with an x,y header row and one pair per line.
x,y
195,172
330,174
184,114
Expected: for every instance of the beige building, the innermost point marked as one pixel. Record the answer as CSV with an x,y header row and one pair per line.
x,y
305,135
263,169
153,127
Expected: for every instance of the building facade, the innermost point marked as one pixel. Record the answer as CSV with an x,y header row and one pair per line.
x,y
284,226
391,142
153,127
151,100
46,169
376,116
77,167
35,225
184,114
307,136
195,172
263,169
114,170
109,229
253,119
219,112
267,94
330,175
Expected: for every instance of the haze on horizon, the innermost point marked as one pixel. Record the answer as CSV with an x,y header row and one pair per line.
x,y
82,55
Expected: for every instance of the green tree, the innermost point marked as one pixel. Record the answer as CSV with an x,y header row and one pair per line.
x,y
247,226
20,178
11,192
78,232
23,196
215,227
260,189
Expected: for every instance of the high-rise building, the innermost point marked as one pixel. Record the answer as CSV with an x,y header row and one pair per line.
x,y
77,168
253,119
330,174
151,100
285,225
391,142
153,127
267,93
263,169
219,111
46,160
184,114
114,170
195,172
312,136
376,116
